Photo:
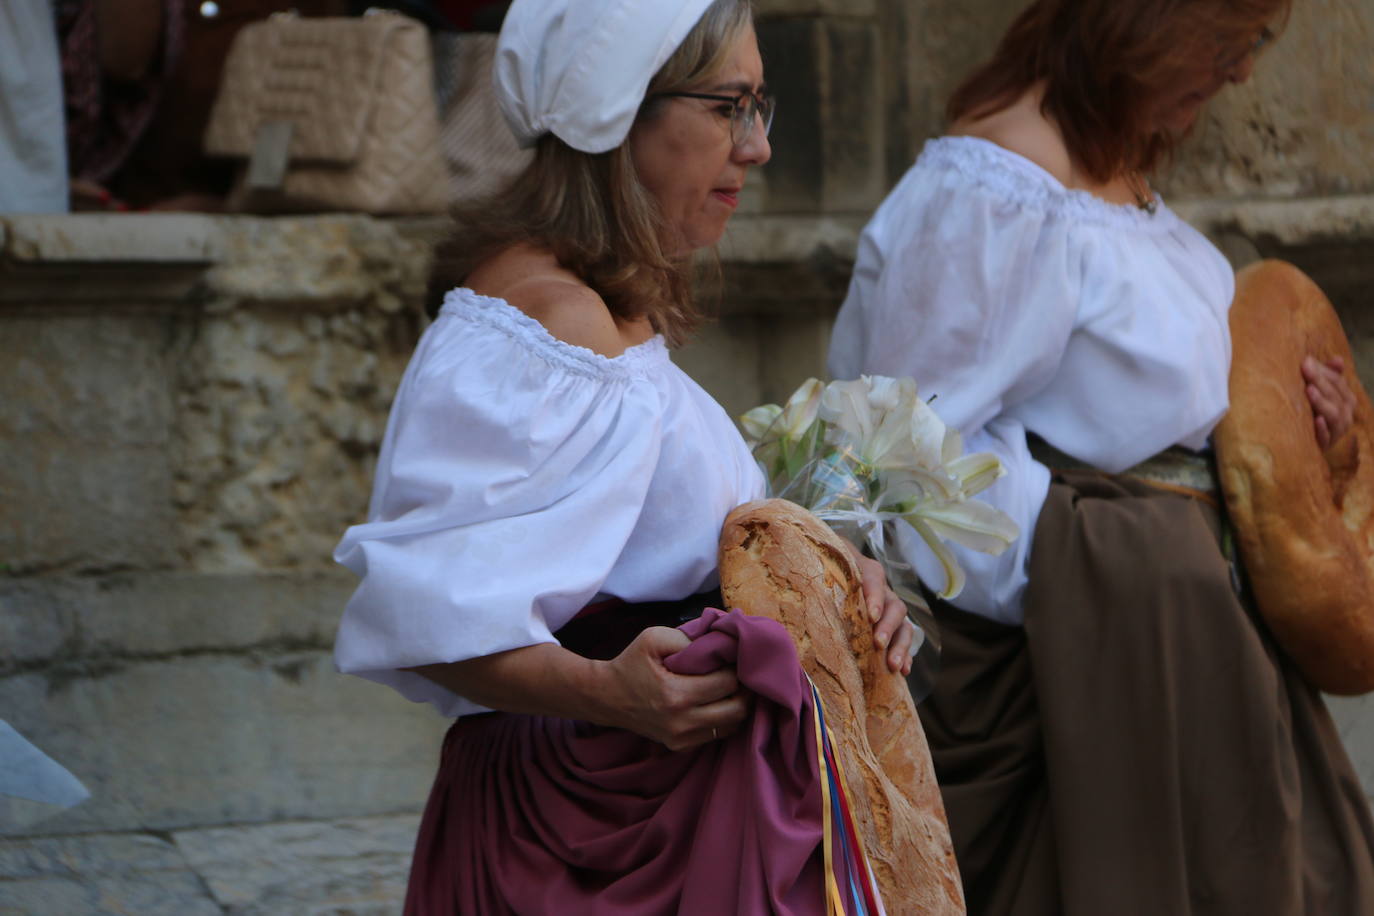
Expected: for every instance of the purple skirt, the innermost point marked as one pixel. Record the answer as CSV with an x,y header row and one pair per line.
x,y
537,815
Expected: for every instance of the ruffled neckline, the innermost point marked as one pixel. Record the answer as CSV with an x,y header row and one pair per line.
x,y
1014,177
498,314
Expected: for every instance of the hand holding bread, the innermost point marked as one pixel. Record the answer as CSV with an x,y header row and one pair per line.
x,y
1302,503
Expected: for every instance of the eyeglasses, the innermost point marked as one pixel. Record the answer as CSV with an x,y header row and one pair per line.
x,y
1227,63
745,110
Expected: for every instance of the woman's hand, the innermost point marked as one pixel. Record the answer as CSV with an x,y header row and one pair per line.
x,y
892,631
633,691
677,710
1333,403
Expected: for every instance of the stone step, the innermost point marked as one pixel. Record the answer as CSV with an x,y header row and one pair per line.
x,y
354,866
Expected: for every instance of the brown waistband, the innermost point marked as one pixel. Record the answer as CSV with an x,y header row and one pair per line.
x,y
1175,470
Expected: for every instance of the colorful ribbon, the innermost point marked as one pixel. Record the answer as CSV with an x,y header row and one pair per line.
x,y
859,896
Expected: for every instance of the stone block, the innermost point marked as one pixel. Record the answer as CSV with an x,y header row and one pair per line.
x,y
66,625
723,359
827,136
1355,718
795,350
786,267
356,866
85,409
99,874
929,48
279,419
216,738
150,238
153,894
95,854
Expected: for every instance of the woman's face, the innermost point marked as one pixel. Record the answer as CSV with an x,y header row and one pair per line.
x,y
686,159
1180,105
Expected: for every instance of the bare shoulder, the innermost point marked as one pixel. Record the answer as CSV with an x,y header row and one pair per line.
x,y
570,310
1024,129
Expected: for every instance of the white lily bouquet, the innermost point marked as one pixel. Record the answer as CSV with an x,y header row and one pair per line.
x,y
871,459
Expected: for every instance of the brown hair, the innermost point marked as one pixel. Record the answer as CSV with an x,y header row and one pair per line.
x,y
591,210
1102,63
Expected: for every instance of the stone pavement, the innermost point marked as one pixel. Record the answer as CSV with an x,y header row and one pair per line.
x,y
346,867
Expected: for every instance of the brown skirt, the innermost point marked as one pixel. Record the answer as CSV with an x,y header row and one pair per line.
x,y
1142,747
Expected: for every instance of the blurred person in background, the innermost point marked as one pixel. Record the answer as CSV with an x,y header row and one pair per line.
x,y
1113,728
33,151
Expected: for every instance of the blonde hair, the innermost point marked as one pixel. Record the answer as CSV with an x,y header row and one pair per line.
x,y
592,211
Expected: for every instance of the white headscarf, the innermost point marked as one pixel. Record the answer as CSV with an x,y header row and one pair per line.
x,y
579,68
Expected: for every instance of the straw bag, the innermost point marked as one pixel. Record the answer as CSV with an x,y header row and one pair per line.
x,y
479,149
331,114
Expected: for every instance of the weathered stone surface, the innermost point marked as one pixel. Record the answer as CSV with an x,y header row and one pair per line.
x,y
1355,718
791,345
1291,222
723,359
99,874
356,866
95,854
85,408
349,867
154,238
1303,125
782,239
78,623
177,893
279,417
827,140
321,263
214,738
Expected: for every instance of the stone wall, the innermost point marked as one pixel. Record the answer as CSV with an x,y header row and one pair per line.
x,y
190,410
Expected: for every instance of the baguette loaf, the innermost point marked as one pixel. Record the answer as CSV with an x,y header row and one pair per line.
x,y
778,560
1304,519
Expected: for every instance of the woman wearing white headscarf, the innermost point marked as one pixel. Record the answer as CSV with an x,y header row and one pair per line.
x,y
545,461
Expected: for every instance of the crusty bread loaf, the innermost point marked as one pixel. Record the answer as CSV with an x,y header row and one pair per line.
x,y
778,560
1304,519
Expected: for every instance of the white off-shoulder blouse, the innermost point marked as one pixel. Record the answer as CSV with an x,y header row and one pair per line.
x,y
522,478
1023,306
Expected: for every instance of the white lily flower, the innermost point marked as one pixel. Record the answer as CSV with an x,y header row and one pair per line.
x,y
976,472
757,423
846,408
869,452
972,524
934,443
954,573
802,409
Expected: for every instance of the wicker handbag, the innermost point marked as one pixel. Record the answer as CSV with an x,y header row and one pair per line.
x,y
331,114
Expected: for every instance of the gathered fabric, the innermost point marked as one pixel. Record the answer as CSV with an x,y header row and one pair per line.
x,y
537,815
1142,746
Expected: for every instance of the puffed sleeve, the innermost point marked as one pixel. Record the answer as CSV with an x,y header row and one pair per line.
x,y
508,483
971,290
